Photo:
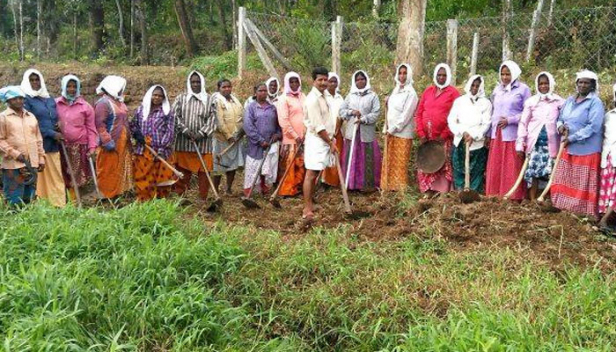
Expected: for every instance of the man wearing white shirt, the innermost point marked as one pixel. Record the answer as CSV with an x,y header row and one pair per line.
x,y
319,145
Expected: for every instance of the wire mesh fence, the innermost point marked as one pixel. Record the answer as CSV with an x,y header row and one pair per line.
x,y
564,39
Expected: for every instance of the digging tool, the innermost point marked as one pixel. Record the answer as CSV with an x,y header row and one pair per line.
x,y
94,178
225,151
247,201
71,173
217,201
348,173
30,175
518,181
345,196
558,156
273,198
468,195
177,173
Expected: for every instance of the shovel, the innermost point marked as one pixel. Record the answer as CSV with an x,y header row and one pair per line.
x,y
348,173
468,195
225,151
217,201
174,170
99,195
273,198
247,201
518,181
558,156
71,173
345,196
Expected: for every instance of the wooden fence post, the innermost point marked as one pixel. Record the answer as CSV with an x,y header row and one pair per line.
x,y
505,19
336,44
271,46
474,54
452,48
254,39
241,42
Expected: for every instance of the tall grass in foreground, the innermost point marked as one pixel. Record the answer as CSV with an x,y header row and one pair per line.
x,y
146,278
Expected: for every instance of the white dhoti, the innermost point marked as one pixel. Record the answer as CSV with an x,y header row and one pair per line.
x,y
317,154
269,169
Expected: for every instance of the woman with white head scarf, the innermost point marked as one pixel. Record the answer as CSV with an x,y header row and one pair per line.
x,y
607,195
290,108
538,138
580,123
76,121
153,125
113,161
195,121
469,120
361,110
50,184
431,124
273,89
504,164
335,101
398,129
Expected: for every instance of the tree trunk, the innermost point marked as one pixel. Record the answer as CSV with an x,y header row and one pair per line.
x,y
234,15
97,21
121,24
39,14
409,47
75,35
16,30
223,25
132,28
185,28
21,32
506,17
376,5
210,13
145,53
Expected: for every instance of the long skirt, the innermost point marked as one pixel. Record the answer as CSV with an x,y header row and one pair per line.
x,y
477,167
439,181
16,192
366,164
114,168
267,174
540,163
78,156
607,193
395,172
503,169
232,160
293,182
330,174
152,177
50,184
188,163
576,183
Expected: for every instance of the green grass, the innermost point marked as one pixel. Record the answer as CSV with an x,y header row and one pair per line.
x,y
145,278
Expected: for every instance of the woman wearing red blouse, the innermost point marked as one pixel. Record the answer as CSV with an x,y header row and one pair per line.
x,y
431,122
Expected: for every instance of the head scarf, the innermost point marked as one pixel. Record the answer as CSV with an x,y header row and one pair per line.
x,y
590,75
409,78
481,93
146,103
354,88
64,83
287,86
552,84
447,70
334,74
202,95
113,86
27,88
10,92
515,70
267,83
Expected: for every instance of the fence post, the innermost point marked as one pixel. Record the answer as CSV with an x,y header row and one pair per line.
x,y
551,13
254,39
506,16
533,30
452,48
474,54
336,44
241,42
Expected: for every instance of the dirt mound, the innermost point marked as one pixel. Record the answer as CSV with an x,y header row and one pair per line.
x,y
554,237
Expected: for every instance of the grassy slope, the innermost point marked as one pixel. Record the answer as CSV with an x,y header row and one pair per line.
x,y
144,278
